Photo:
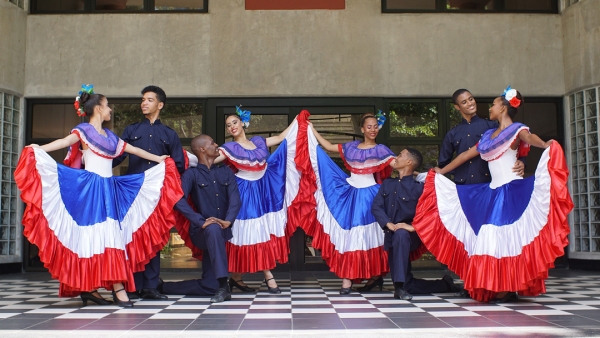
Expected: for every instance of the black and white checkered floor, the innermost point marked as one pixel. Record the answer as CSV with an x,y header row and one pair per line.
x,y
309,303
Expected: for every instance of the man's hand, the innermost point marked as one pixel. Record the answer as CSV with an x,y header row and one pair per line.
x,y
391,226
405,226
209,221
224,224
519,168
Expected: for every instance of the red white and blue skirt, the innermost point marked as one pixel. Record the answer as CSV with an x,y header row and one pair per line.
x,y
503,239
338,215
95,231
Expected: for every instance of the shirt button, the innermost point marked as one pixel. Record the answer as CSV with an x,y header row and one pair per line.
x,y
470,161
150,135
468,135
469,147
217,194
149,148
214,181
471,175
217,208
392,205
148,162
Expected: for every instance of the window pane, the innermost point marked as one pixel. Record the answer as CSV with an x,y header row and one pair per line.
x,y
470,4
529,4
178,5
414,119
410,4
119,5
58,5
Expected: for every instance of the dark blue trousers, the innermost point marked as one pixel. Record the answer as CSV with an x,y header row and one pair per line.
x,y
148,279
214,265
403,242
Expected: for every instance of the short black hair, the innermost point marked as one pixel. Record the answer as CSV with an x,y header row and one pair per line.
x,y
416,155
457,94
160,94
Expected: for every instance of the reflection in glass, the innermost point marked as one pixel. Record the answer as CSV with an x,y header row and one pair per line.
x,y
8,100
470,4
592,125
595,200
529,5
593,156
414,119
595,244
178,5
58,5
579,113
590,95
583,201
119,5
579,99
592,111
580,142
585,244
410,4
184,118
7,115
593,140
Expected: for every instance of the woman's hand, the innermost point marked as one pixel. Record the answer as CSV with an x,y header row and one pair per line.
x,y
438,170
162,158
548,143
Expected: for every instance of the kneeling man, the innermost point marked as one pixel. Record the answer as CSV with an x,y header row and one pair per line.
x,y
394,208
215,195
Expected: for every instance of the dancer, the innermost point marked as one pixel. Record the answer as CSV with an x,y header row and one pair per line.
x,y
501,237
92,229
153,136
214,194
394,208
267,186
344,229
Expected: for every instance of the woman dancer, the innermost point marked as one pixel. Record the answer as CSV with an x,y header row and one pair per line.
x,y
501,237
94,230
350,240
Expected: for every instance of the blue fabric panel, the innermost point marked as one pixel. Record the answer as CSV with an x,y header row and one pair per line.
x,y
266,194
501,206
90,198
350,206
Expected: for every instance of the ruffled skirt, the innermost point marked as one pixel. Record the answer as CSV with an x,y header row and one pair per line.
x,y
503,239
340,222
93,231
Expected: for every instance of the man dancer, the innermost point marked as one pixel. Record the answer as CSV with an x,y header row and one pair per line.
x,y
461,138
156,138
215,195
394,208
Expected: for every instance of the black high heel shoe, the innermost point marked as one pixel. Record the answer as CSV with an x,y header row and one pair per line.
x,y
119,302
85,296
274,290
244,288
370,286
345,291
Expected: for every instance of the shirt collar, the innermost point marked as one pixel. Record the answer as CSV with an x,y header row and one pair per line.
x,y
473,119
147,121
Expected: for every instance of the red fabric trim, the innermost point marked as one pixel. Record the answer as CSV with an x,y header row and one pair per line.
x,y
484,276
235,166
383,167
294,4
154,234
74,156
75,274
186,159
257,257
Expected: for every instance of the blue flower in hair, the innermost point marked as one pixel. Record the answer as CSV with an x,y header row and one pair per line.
x,y
506,90
244,116
87,88
380,116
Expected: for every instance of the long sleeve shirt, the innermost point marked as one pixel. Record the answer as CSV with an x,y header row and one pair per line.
x,y
155,138
460,139
396,202
214,193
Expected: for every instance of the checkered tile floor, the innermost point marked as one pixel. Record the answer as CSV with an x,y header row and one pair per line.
x,y
308,302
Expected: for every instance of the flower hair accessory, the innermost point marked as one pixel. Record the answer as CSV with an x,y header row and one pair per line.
x,y
86,88
510,95
244,115
380,116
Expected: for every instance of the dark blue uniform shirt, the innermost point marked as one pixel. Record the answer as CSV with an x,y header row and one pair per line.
x,y
396,202
460,139
214,192
155,138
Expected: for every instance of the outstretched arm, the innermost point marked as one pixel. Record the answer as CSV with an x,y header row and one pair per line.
x,y
323,142
58,144
144,154
533,139
275,140
460,159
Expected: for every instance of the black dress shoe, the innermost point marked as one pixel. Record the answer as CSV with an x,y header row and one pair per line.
x,y
85,296
402,294
222,295
244,288
371,284
462,294
119,302
152,294
133,295
275,291
450,283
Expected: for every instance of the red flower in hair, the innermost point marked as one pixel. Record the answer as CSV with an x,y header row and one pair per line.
x,y
514,102
76,104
